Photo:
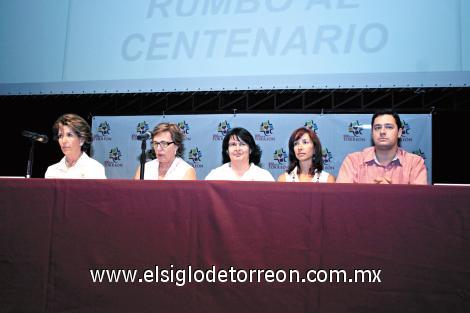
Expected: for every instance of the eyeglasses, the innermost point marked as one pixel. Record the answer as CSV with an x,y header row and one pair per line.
x,y
237,144
162,144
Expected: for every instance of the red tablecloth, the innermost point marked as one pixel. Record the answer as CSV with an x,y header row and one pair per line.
x,y
52,232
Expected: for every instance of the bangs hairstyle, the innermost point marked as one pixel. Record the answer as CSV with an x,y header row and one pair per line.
x,y
78,125
317,157
243,135
176,135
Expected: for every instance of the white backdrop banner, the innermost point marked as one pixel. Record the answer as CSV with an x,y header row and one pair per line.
x,y
116,146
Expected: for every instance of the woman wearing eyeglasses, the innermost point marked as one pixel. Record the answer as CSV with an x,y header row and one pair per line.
x,y
305,159
241,156
167,142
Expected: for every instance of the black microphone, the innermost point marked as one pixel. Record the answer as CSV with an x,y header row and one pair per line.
x,y
35,136
144,136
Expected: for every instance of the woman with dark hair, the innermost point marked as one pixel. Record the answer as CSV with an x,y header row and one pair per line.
x,y
240,158
305,159
74,136
167,142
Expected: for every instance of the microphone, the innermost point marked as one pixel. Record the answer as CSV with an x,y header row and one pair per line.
x,y
35,136
144,136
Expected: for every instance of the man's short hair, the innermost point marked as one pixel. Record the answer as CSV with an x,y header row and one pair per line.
x,y
387,112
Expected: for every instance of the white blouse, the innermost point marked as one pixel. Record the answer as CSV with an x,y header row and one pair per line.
x,y
254,173
317,178
85,167
177,170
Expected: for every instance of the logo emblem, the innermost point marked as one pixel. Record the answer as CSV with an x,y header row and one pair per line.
x,y
142,127
195,155
280,156
115,154
355,128
184,127
266,128
406,129
104,128
311,125
223,128
327,156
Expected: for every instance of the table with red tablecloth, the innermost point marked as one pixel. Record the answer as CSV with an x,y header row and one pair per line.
x,y
52,232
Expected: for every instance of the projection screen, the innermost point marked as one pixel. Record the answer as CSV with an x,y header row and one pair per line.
x,y
89,46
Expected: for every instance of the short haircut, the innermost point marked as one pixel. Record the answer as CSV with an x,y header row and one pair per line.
x,y
176,135
387,112
78,125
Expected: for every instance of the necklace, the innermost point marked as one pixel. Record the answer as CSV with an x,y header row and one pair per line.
x,y
296,178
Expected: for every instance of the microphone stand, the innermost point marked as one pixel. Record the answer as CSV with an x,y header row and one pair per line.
x,y
143,158
29,168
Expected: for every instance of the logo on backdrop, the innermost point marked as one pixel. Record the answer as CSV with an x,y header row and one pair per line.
x,y
114,158
222,130
420,153
266,128
311,125
406,132
355,129
184,127
104,129
280,160
327,160
195,156
141,128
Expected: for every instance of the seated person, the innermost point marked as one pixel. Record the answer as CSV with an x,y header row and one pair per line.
x,y
74,136
167,142
240,158
385,162
305,159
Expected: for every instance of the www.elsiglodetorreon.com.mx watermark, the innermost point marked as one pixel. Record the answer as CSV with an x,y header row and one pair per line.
x,y
189,274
